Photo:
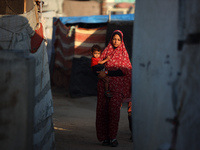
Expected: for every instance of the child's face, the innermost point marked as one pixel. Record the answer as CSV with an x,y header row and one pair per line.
x,y
96,54
116,41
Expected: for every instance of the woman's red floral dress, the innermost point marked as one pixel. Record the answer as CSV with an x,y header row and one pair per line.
x,y
108,109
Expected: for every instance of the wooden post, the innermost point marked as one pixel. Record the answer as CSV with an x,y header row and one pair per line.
x,y
103,7
24,6
36,14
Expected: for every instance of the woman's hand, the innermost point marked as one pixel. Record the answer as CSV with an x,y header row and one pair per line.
x,y
108,58
102,75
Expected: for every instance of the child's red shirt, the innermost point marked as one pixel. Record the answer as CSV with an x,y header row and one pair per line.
x,y
94,61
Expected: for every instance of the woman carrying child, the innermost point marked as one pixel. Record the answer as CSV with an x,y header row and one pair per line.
x,y
119,69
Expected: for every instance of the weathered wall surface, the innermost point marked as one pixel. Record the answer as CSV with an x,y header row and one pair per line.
x,y
187,86
155,68
166,62
16,101
81,8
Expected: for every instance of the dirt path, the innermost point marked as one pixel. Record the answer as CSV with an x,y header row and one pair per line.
x,y
74,123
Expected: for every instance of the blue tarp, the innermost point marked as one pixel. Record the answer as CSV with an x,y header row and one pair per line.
x,y
96,19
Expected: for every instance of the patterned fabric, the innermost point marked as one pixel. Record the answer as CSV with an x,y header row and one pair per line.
x,y
108,109
119,60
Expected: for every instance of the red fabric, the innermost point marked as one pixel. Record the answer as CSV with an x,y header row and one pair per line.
x,y
119,60
85,38
129,107
64,51
124,5
108,110
94,61
37,39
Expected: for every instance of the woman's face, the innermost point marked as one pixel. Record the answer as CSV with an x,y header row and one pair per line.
x,y
116,41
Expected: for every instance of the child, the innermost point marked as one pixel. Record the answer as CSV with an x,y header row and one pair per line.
x,y
98,65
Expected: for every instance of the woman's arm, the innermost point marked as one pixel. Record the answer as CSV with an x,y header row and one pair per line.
x,y
103,74
115,73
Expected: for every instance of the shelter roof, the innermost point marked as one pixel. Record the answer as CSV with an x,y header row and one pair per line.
x,y
96,19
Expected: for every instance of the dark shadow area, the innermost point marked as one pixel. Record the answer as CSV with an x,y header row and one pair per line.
x,y
83,82
74,123
87,25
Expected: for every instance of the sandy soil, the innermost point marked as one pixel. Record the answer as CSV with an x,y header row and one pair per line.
x,y
74,124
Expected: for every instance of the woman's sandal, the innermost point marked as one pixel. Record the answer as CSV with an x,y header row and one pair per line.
x,y
108,94
114,143
106,142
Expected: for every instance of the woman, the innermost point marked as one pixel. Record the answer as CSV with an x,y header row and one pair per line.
x,y
119,69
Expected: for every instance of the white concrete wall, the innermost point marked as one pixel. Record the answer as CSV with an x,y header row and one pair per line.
x,y
155,67
53,5
47,23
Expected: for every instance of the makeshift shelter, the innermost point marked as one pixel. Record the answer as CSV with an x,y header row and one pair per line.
x,y
25,79
73,38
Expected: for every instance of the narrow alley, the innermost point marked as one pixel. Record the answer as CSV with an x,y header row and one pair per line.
x,y
74,124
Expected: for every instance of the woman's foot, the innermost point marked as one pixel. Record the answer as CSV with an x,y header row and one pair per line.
x,y
114,143
106,142
108,94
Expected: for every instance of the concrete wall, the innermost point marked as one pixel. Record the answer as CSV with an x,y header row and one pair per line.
x,y
166,62
52,5
186,87
155,67
81,8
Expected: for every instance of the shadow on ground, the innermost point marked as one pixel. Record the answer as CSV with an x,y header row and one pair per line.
x,y
74,124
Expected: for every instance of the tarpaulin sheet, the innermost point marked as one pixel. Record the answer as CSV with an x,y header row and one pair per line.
x,y
71,69
96,19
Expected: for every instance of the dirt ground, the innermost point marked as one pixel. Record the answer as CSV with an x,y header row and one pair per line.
x,y
74,124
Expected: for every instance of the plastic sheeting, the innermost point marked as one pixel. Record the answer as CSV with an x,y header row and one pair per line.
x,y
17,100
16,30
96,19
43,109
